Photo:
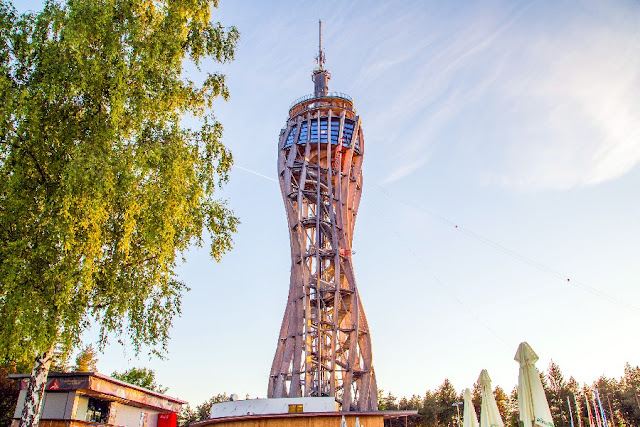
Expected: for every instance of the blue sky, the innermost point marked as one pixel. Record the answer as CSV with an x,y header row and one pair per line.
x,y
502,150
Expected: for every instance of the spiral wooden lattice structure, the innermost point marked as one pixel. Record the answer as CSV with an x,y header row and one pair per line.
x,y
324,347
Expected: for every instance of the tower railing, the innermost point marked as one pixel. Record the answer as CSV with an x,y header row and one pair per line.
x,y
312,96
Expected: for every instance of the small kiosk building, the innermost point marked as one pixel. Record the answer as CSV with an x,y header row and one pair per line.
x,y
78,399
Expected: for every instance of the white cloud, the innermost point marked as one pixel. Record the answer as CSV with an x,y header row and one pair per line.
x,y
404,170
581,127
552,102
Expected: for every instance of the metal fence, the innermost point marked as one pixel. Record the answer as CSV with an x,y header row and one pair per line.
x,y
329,95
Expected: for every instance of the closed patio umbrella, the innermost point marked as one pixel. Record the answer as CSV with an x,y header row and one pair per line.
x,y
489,413
534,409
469,417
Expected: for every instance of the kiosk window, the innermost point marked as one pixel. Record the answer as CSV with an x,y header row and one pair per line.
x,y
98,411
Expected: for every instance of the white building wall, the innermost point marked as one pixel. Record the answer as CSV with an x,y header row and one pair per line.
x,y
130,416
272,406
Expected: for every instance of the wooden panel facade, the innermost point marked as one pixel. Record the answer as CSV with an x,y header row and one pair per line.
x,y
298,420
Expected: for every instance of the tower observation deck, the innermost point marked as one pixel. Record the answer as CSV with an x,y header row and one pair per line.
x,y
324,346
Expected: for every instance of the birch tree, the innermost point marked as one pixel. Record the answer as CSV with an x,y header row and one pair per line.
x,y
102,187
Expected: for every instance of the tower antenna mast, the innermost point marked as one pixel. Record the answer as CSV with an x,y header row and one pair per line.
x,y
320,57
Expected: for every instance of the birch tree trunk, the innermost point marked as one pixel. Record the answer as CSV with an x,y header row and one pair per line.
x,y
35,390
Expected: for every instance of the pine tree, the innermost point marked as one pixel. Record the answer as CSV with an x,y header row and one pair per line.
x,y
87,360
574,388
429,410
446,396
557,393
630,394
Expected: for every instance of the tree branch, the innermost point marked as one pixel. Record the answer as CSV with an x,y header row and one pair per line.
x,y
45,180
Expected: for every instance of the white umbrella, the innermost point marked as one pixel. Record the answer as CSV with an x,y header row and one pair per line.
x,y
469,418
534,409
489,413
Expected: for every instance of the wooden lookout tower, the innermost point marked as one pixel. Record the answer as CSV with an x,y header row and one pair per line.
x,y
324,347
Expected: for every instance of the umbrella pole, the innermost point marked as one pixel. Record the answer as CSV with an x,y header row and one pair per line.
x,y
604,416
457,405
570,412
586,400
578,412
595,410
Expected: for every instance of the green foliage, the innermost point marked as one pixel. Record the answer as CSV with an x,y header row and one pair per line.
x,y
429,410
8,395
513,417
101,188
502,401
143,377
446,397
557,393
202,411
630,394
387,403
87,359
59,363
